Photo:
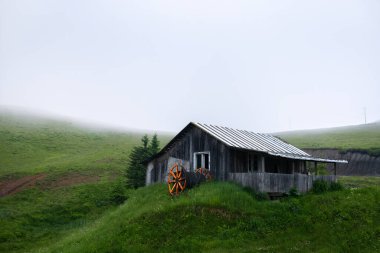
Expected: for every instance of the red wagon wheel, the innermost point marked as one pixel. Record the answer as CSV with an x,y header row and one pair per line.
x,y
176,179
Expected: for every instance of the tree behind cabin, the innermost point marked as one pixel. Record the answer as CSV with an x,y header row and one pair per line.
x,y
136,170
154,146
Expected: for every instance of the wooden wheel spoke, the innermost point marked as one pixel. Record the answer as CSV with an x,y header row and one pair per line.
x,y
182,186
174,187
176,179
170,187
176,169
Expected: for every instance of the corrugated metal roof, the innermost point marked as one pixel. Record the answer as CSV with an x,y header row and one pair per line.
x,y
250,140
265,143
242,139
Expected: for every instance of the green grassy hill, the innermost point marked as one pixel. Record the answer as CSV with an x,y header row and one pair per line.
x,y
80,177
30,145
74,206
222,217
361,137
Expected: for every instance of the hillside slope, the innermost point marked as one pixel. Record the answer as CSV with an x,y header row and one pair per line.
x,y
74,176
222,217
30,144
359,145
56,177
361,137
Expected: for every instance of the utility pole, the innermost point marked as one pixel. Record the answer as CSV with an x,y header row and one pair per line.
x,y
365,115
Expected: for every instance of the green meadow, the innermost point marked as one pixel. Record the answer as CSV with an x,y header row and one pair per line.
x,y
82,177
365,138
80,203
222,217
35,145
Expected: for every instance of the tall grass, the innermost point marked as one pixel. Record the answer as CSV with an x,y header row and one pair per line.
x,y
36,217
222,217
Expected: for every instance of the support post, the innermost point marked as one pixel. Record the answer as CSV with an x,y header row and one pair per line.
x,y
293,167
315,168
262,164
248,163
335,169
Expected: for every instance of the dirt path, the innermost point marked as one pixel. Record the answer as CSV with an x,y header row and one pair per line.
x,y
13,186
69,180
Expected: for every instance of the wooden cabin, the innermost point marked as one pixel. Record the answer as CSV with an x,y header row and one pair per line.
x,y
261,161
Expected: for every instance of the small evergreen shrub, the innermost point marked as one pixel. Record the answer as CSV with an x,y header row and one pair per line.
x,y
136,170
320,186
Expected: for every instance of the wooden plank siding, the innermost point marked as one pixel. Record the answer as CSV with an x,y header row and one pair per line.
x,y
275,182
194,140
262,171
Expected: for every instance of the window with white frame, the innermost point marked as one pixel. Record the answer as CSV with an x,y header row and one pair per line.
x,y
202,160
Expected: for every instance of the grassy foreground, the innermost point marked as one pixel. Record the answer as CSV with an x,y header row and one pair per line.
x,y
361,137
222,217
37,216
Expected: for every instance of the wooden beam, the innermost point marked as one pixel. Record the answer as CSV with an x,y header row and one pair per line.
x,y
248,169
262,164
315,168
292,166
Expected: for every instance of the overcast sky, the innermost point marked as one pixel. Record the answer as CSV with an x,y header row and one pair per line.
x,y
258,65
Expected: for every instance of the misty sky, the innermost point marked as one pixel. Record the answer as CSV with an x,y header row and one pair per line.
x,y
258,65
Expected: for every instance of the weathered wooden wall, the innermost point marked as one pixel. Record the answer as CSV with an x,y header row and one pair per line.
x,y
194,140
266,173
274,182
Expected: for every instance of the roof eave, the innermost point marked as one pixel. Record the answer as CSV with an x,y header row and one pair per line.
x,y
167,146
309,158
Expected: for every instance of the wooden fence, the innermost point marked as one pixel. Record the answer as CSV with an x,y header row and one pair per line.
x,y
274,182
